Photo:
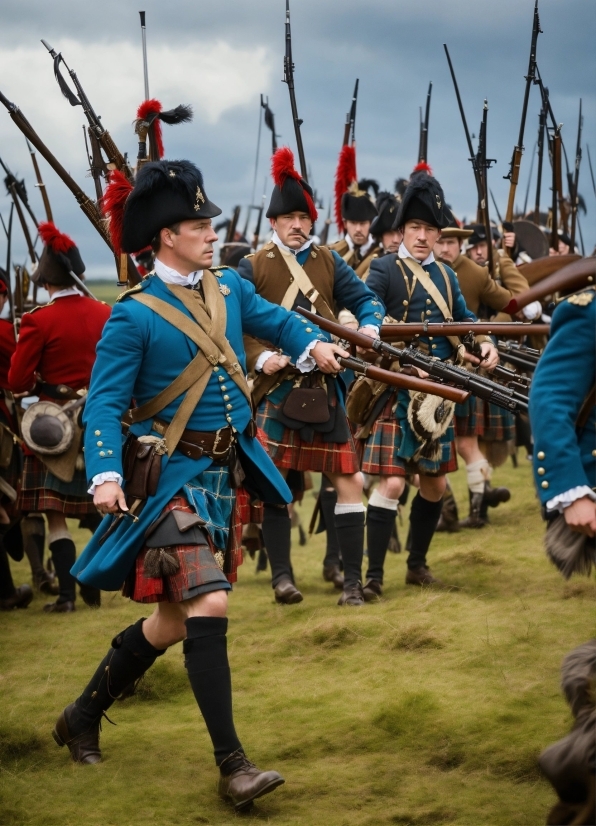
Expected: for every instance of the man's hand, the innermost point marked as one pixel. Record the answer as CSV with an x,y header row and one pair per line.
x,y
366,331
490,355
275,363
509,238
109,498
324,354
581,516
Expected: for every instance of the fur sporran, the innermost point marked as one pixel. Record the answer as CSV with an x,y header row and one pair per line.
x,y
570,551
362,397
429,417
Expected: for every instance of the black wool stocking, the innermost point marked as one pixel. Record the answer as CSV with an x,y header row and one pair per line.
x,y
379,525
350,535
64,554
328,499
277,536
424,516
206,660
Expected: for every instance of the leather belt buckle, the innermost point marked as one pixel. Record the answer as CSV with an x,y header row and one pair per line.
x,y
220,454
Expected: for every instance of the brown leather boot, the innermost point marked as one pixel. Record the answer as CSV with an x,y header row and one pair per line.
x,y
352,595
286,593
20,599
241,782
372,590
421,576
475,518
449,518
332,573
494,496
83,747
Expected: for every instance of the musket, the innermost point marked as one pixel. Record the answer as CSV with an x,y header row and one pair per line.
x,y
407,330
575,276
324,236
574,189
289,79
20,189
556,170
591,170
23,223
513,174
443,372
541,133
231,229
495,206
89,208
472,158
96,129
525,209
525,358
423,141
13,316
270,124
483,163
350,125
40,184
144,41
257,232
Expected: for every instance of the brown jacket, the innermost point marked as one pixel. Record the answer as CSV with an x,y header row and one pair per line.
x,y
479,288
361,266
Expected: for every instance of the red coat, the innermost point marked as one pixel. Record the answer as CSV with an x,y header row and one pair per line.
x,y
58,341
7,347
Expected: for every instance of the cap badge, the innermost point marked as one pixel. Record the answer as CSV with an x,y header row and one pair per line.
x,y
270,255
199,197
439,204
172,173
224,289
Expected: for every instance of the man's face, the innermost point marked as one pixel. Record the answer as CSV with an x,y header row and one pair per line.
x,y
391,240
191,248
293,229
420,239
479,253
447,249
358,231
563,247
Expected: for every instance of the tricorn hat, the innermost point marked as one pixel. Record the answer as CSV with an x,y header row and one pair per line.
x,y
423,200
454,228
291,192
60,258
387,206
164,193
478,234
352,200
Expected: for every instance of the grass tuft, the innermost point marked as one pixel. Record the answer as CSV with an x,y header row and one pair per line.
x,y
413,637
19,743
164,681
473,557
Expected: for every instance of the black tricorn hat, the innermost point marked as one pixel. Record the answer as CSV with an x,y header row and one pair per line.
x,y
59,258
356,204
164,193
423,200
478,234
387,206
291,193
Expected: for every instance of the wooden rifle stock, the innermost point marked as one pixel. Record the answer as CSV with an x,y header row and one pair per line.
x,y
405,332
575,276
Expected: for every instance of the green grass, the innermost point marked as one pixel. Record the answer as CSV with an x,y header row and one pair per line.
x,y
104,290
430,707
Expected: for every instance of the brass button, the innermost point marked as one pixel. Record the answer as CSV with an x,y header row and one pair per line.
x,y
100,444
221,378
594,453
540,455
428,300
544,484
430,338
434,346
429,312
98,432
303,320
102,453
541,471
229,418
378,315
110,452
405,303
216,369
223,388
375,303
308,329
226,398
228,406
291,279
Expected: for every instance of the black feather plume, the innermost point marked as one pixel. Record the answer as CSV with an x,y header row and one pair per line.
x,y
64,87
366,184
181,114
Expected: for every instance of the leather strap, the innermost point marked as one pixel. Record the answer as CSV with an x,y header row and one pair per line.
x,y
303,284
424,278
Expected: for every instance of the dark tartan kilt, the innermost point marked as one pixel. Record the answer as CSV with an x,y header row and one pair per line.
x,y
378,452
200,567
292,453
41,491
475,417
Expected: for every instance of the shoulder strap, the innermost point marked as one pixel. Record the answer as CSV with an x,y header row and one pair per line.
x,y
303,284
430,287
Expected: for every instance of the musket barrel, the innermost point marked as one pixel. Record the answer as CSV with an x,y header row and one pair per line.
x,y
404,332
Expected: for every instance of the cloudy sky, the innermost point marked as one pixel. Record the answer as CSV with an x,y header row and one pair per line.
x,y
220,56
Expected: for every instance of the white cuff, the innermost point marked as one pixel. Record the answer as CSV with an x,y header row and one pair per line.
x,y
563,500
373,327
108,476
263,358
532,310
305,362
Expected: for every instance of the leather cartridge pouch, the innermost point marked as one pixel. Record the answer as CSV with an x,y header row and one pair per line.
x,y
362,397
142,465
176,527
307,402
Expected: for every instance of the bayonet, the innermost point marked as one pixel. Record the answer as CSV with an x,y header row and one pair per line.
x,y
289,79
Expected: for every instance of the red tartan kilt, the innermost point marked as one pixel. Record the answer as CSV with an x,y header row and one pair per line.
x,y
36,497
378,452
198,566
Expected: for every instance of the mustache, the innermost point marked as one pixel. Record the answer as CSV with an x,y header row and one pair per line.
x,y
299,233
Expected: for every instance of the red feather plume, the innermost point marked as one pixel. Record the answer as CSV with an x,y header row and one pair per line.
x,y
282,168
422,167
51,236
112,204
149,109
345,175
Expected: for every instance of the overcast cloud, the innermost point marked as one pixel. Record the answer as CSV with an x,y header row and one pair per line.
x,y
221,56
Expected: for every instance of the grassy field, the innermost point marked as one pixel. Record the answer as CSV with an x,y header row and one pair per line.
x,y
430,707
107,291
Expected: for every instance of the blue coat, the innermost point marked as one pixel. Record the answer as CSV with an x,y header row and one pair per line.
x,y
140,354
565,458
386,280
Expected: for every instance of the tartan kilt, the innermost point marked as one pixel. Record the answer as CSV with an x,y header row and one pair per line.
x,y
290,452
200,566
379,450
469,417
475,417
42,491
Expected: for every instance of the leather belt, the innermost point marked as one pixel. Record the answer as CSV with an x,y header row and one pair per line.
x,y
196,443
57,391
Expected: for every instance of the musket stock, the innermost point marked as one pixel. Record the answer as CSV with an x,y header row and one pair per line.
x,y
408,331
574,276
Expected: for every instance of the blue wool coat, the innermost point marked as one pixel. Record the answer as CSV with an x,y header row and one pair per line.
x,y
565,457
139,355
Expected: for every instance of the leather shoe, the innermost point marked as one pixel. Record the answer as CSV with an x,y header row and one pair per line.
x,y
241,782
372,590
286,593
47,584
352,595
90,595
83,747
331,573
494,496
421,576
59,607
20,599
